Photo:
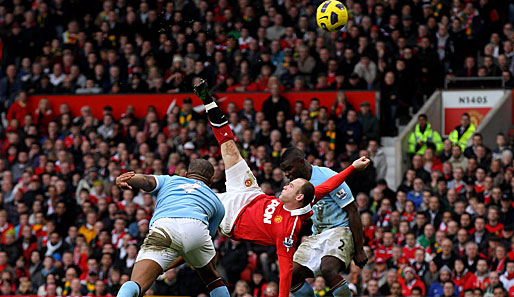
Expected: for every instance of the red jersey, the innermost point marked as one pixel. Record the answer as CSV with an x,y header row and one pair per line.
x,y
479,187
467,281
384,252
265,221
495,229
408,252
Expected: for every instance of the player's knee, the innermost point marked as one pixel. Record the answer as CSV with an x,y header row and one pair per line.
x,y
328,273
330,268
300,273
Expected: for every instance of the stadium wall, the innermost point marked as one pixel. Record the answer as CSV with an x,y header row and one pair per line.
x,y
165,102
432,108
499,119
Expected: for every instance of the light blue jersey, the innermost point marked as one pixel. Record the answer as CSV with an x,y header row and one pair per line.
x,y
328,213
180,197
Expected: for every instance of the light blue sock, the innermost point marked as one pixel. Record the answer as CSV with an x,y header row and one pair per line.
x,y
129,289
220,292
342,291
305,291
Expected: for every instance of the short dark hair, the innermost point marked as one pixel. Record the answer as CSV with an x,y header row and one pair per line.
x,y
307,189
416,289
499,286
291,155
202,168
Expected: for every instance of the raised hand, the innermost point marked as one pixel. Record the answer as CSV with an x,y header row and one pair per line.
x,y
122,180
361,163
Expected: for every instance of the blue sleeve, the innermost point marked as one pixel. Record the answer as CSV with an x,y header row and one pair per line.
x,y
215,221
342,196
159,180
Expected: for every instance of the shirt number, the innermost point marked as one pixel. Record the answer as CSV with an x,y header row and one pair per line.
x,y
341,247
189,188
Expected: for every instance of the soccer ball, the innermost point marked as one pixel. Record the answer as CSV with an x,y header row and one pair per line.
x,y
331,15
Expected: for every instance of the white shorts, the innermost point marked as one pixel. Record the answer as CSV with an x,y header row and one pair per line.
x,y
169,238
337,242
242,188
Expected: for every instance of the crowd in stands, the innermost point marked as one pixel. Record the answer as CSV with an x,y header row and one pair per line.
x,y
404,49
66,229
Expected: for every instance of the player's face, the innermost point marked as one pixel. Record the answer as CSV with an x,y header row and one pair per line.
x,y
294,170
290,190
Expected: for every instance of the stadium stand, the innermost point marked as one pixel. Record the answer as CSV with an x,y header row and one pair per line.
x,y
66,229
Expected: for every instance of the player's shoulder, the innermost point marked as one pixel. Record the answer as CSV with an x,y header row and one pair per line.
x,y
321,172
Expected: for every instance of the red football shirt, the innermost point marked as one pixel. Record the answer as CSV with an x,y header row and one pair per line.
x,y
265,221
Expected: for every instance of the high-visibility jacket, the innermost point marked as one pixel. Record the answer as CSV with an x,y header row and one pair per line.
x,y
428,136
463,140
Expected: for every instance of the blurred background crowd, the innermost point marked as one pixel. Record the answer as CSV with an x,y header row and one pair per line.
x,y
67,230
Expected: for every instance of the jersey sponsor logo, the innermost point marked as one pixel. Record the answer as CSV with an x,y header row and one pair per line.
x,y
270,209
189,188
278,219
248,183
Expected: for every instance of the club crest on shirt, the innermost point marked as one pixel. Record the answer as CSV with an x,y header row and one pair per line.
x,y
278,219
250,180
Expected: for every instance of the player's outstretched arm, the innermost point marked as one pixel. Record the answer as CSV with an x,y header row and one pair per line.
x,y
220,128
131,179
335,181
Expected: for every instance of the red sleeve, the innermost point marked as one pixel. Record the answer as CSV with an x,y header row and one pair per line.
x,y
10,112
331,184
285,265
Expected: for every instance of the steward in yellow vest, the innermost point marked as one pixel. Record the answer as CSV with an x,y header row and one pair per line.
x,y
422,136
462,133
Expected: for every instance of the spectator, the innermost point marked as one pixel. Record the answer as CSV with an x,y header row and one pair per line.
x,y
370,129
18,110
437,288
378,158
274,104
10,85
458,160
409,281
320,287
389,92
463,132
350,128
423,136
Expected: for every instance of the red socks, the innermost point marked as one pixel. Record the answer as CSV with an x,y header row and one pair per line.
x,y
223,134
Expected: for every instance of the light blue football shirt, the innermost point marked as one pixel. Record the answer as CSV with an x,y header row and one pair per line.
x,y
328,213
180,197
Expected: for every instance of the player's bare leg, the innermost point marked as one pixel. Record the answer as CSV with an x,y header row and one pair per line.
x,y
212,279
330,267
145,272
220,128
299,287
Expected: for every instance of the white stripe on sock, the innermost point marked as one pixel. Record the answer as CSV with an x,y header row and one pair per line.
x,y
210,106
219,125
